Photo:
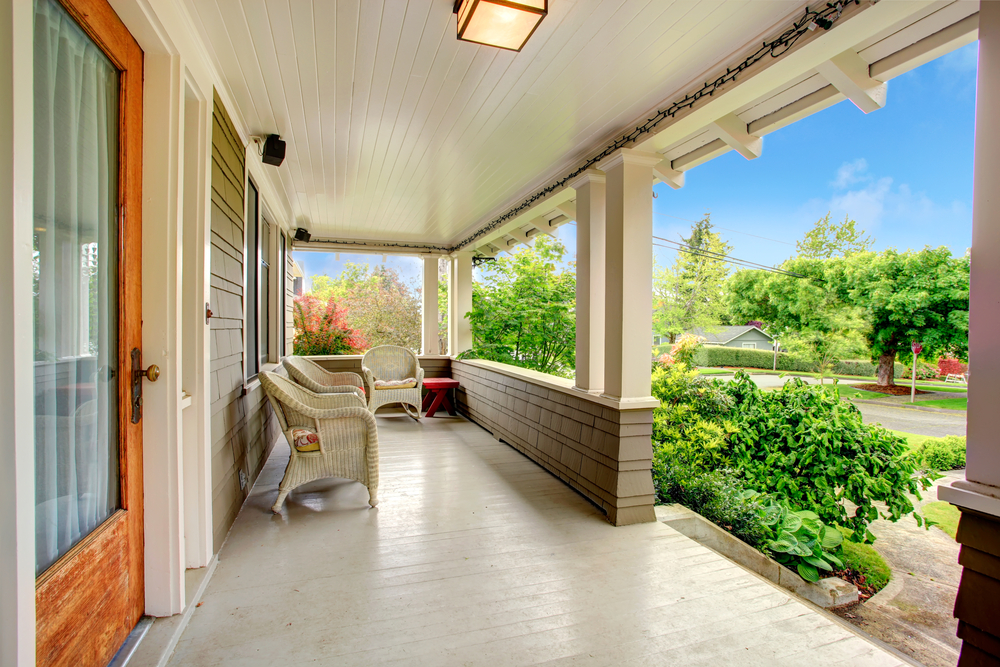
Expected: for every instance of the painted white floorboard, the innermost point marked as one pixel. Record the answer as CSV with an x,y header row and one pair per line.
x,y
477,556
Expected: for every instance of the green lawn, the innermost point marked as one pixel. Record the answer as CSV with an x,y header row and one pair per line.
x,y
951,389
945,515
847,391
949,403
867,561
714,371
912,439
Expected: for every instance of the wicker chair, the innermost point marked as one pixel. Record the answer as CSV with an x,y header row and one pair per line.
x,y
390,363
307,373
347,436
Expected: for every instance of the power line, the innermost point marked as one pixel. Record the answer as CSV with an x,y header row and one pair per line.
x,y
734,231
745,263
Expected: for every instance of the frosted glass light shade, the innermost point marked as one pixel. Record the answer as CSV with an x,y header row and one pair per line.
x,y
499,23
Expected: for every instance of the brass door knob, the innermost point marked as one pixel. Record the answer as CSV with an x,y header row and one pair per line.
x,y
152,373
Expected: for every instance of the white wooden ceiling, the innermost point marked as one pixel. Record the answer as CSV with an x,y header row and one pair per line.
x,y
398,131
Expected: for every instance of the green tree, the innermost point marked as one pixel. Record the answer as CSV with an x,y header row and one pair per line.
x,y
384,309
828,239
689,294
908,296
523,310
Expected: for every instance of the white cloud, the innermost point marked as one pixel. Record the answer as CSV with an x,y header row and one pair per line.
x,y
851,173
882,201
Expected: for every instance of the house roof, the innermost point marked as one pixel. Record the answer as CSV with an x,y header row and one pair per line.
x,y
725,334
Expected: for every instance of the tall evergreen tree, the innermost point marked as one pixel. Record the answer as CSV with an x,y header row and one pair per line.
x,y
689,294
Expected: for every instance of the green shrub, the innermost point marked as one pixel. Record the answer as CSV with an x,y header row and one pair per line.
x,y
797,539
717,495
805,445
690,422
947,453
925,371
862,368
717,355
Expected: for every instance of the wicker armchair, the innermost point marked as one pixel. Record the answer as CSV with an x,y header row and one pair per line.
x,y
393,364
307,373
342,432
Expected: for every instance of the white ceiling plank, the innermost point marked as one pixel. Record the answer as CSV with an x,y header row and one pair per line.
x,y
848,73
398,131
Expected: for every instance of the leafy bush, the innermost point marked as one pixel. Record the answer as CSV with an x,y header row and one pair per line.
x,y
718,495
951,366
689,424
861,368
718,355
806,446
947,453
321,328
797,539
925,371
715,355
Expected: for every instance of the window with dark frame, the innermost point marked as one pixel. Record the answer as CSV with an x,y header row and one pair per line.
x,y
251,264
264,328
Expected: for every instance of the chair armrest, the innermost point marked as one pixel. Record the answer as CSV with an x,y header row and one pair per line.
x,y
344,379
420,376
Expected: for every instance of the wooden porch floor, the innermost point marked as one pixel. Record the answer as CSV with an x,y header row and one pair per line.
x,y
477,556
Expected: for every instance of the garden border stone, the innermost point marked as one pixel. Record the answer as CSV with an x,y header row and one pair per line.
x,y
828,593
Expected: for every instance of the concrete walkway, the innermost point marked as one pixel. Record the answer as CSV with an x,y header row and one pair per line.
x,y
898,418
914,612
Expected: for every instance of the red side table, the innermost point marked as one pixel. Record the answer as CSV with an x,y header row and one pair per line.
x,y
437,393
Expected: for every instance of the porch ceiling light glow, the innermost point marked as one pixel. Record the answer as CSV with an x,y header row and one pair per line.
x,y
500,23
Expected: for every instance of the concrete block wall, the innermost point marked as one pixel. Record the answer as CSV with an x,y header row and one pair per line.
x,y
599,447
243,430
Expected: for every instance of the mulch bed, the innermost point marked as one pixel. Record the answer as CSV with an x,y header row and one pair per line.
x,y
852,576
895,390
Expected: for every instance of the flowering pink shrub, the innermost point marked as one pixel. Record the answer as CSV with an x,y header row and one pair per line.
x,y
951,366
321,328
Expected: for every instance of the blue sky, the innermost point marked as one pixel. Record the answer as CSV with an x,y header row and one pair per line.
x,y
904,173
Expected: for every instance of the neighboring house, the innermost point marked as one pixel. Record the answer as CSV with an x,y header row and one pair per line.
x,y
747,337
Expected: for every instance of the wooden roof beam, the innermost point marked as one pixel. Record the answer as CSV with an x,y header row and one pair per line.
x,y
734,132
848,72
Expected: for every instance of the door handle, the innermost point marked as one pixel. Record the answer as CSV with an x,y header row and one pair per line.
x,y
138,374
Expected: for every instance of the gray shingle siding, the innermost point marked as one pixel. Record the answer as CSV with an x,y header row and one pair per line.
x,y
243,430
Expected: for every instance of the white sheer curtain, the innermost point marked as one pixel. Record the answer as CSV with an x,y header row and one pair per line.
x,y
75,264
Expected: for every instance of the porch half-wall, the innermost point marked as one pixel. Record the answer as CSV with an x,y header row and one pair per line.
x,y
598,446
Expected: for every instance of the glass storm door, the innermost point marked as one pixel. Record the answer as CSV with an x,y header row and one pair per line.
x,y
87,322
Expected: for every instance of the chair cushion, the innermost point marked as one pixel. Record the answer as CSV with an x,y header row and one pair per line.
x,y
408,383
305,440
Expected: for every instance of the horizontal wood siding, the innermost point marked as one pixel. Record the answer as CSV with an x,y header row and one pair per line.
x,y
243,429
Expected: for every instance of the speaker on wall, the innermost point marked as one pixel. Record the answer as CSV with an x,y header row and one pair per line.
x,y
274,150
302,235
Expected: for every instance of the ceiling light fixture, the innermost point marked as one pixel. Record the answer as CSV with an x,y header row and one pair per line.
x,y
500,23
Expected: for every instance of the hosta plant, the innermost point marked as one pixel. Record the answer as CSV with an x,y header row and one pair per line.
x,y
801,539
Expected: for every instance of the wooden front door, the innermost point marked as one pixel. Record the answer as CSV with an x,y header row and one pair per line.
x,y
87,328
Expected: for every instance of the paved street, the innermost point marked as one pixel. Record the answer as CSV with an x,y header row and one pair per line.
x,y
913,421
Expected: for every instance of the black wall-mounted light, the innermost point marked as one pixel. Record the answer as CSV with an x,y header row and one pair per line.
x,y
273,151
500,23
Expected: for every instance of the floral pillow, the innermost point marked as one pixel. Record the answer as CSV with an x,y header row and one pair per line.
x,y
305,440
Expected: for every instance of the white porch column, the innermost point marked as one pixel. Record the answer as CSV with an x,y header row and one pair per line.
x,y
590,257
978,496
430,311
17,411
460,303
629,274
984,384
